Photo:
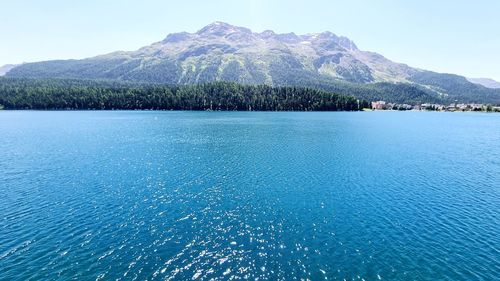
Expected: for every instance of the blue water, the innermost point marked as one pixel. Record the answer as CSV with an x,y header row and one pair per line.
x,y
274,196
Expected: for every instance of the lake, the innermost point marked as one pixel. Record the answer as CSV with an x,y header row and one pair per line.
x,y
151,195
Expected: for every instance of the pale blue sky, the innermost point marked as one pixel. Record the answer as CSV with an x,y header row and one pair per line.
x,y
454,36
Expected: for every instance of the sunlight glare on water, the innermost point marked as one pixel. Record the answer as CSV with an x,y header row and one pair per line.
x,y
230,195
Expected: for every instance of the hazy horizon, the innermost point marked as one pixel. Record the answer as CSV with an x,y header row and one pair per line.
x,y
450,36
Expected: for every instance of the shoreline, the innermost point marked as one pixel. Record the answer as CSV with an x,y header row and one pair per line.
x,y
262,111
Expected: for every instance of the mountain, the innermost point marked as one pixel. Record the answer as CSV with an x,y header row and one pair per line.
x,y
223,52
486,82
6,68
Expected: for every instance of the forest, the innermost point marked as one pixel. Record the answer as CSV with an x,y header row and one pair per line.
x,y
74,94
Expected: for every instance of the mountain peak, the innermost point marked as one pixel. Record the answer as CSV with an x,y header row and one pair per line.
x,y
219,28
266,34
224,52
176,37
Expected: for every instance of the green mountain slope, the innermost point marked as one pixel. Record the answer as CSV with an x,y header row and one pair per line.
x,y
223,52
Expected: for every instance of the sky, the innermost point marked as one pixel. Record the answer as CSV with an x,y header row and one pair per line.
x,y
458,36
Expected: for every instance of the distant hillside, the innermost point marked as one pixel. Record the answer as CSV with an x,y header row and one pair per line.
x,y
486,82
223,52
6,68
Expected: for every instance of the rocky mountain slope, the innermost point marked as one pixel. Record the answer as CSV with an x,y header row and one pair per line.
x,y
223,52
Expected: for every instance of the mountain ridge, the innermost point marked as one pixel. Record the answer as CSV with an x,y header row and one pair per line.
x,y
4,69
224,52
486,82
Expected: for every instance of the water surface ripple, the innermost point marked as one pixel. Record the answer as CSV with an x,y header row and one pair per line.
x,y
274,196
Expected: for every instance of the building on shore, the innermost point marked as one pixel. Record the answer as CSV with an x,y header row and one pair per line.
x,y
379,105
382,105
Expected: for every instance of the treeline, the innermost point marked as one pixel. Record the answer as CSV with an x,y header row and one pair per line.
x,y
62,94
